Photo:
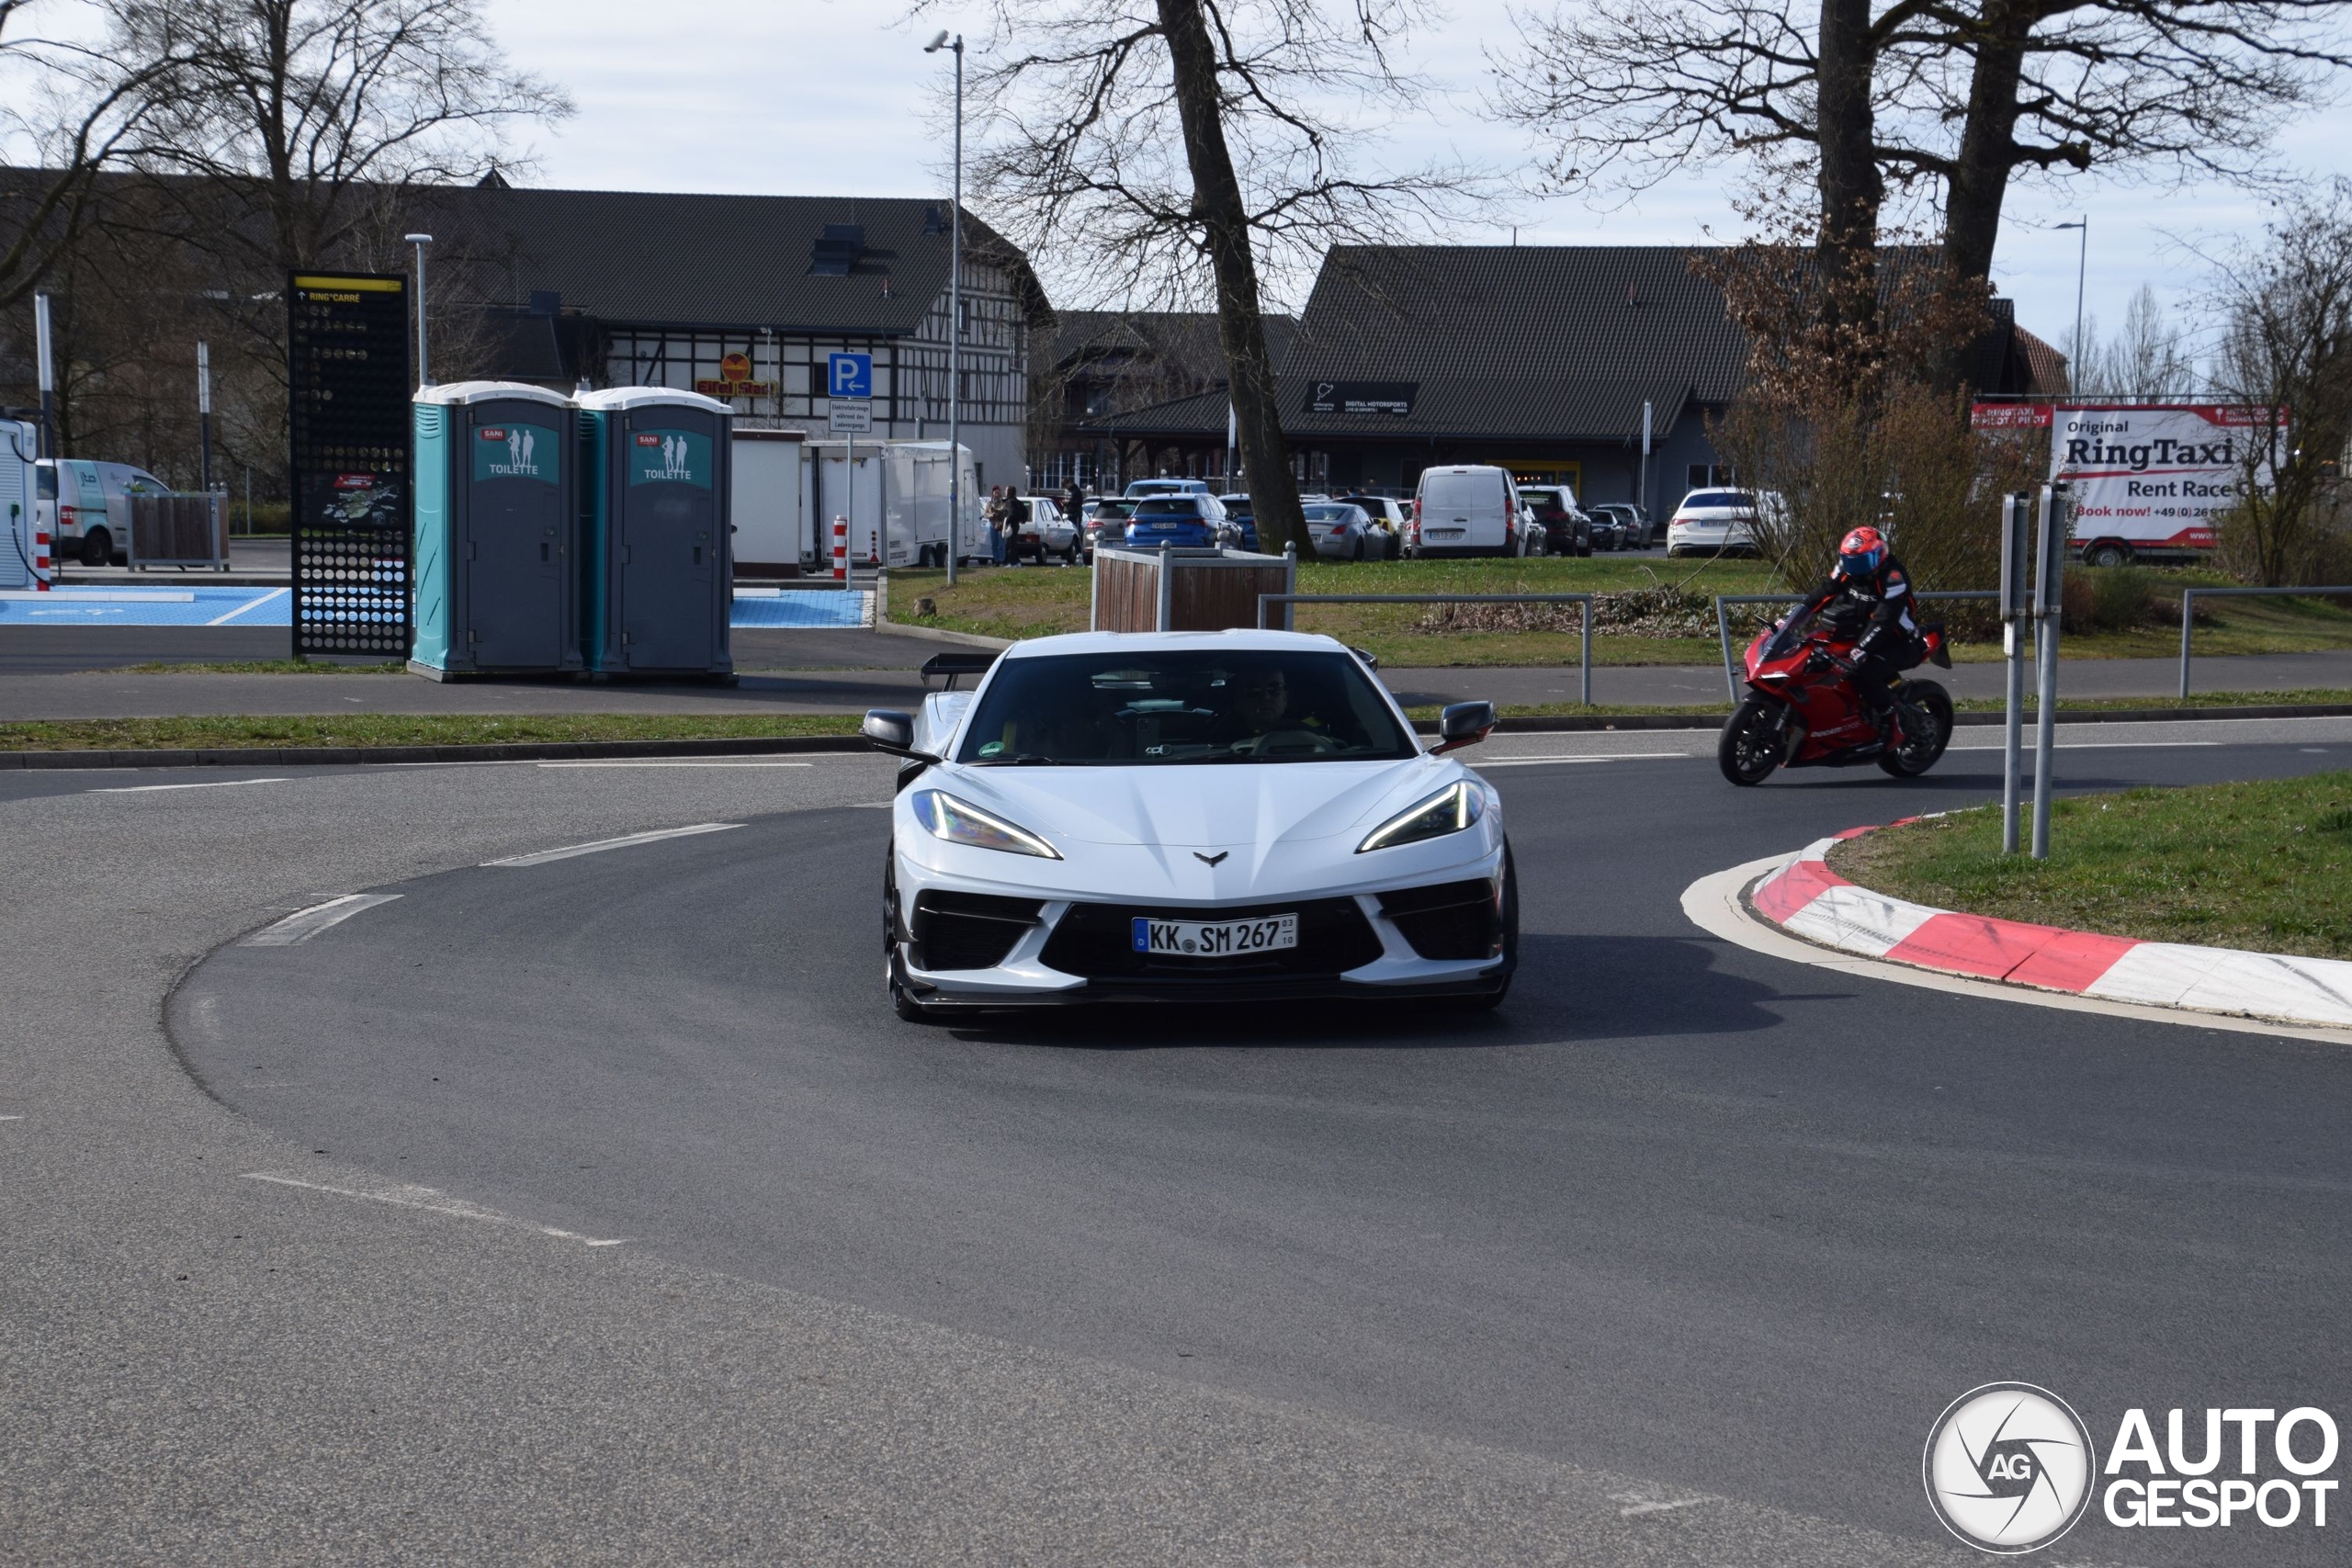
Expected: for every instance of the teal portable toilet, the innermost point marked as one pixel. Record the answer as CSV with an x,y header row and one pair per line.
x,y
654,499
497,547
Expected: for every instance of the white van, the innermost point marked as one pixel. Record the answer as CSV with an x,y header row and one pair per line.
x,y
87,505
1468,509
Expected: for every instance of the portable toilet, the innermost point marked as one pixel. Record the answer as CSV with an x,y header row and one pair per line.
x,y
497,545
655,495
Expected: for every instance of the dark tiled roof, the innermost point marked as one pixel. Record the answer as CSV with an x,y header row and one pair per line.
x,y
1182,341
1554,343
659,258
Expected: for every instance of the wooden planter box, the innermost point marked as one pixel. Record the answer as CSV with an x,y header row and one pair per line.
x,y
178,530
1185,591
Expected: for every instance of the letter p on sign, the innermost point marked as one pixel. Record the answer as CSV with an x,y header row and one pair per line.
x,y
850,374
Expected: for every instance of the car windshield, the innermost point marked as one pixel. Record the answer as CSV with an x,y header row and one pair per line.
x,y
1169,506
1716,498
1125,708
1115,509
1327,513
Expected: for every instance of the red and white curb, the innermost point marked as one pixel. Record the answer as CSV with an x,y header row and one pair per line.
x,y
1808,899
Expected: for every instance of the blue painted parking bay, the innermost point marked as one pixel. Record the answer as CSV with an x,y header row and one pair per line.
x,y
194,606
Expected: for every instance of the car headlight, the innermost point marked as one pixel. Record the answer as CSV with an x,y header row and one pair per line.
x,y
961,822
1450,810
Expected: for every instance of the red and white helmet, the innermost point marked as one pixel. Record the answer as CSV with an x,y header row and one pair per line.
x,y
1862,553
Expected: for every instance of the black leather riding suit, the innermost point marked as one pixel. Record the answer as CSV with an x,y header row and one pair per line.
x,y
1880,612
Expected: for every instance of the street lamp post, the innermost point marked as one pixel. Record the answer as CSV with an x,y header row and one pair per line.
x,y
423,365
2082,258
956,316
204,410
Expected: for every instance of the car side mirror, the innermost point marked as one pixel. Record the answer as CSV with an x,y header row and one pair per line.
x,y
1463,723
887,729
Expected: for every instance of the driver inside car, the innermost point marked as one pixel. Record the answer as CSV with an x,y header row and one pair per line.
x,y
1264,710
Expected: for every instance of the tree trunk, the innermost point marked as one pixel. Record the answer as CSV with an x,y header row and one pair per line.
x,y
1979,180
1241,331
1852,189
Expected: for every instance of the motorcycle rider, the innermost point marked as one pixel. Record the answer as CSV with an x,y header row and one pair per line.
x,y
1870,586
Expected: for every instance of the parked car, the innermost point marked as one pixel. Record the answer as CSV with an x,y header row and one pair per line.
x,y
1567,528
1340,531
1241,522
86,505
1106,515
1046,533
1141,488
1635,526
1468,509
1185,521
1713,521
1389,514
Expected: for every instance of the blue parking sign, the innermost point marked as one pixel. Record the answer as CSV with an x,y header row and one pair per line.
x,y
849,376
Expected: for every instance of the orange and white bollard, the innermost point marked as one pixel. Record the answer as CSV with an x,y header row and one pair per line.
x,y
42,570
841,549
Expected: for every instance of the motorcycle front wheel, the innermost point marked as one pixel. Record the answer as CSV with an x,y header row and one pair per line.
x,y
1750,745
1920,749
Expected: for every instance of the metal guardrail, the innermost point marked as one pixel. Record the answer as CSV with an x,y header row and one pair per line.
x,y
1722,621
1266,602
2188,597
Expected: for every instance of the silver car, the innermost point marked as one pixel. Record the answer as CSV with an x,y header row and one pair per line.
x,y
1340,530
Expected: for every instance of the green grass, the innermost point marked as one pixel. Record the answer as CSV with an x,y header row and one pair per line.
x,y
2297,697
403,729
1039,601
253,667
2265,866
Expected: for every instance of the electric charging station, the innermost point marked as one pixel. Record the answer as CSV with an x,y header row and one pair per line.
x,y
497,532
656,489
24,556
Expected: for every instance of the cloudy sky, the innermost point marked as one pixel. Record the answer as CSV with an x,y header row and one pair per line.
x,y
823,97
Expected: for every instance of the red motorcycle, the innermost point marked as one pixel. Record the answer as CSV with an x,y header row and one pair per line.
x,y
1803,710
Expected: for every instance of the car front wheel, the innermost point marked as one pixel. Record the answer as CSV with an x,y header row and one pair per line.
x,y
1494,999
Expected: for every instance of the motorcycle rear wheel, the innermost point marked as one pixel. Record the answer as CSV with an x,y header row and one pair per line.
x,y
1915,757
1749,748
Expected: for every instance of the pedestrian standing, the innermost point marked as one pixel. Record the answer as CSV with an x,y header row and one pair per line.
x,y
1016,517
1074,504
995,512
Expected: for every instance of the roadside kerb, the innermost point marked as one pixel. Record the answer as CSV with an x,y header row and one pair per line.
x,y
1584,663
504,751
1722,621
1806,898
2188,597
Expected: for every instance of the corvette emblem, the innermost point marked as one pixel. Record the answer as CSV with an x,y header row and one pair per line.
x,y
1210,860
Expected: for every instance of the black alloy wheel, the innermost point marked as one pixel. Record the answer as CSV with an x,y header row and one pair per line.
x,y
1923,710
1750,745
893,979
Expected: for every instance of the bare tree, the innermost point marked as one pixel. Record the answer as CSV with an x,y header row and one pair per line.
x,y
1951,99
1182,152
2286,356
2148,356
78,107
305,107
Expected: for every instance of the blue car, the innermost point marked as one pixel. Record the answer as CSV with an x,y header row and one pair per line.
x,y
1241,522
1181,521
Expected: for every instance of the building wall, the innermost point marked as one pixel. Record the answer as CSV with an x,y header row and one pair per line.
x,y
911,373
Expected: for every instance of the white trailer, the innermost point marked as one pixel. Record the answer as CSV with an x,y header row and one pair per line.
x,y
898,511
772,538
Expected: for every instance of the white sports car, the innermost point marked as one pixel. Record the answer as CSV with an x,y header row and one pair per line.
x,y
1188,815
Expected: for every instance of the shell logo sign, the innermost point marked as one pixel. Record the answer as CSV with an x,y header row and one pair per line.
x,y
735,380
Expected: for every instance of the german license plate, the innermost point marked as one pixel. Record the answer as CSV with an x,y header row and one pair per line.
x,y
1216,939
1444,532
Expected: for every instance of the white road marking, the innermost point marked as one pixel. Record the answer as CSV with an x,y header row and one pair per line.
x,y
304,924
94,596
149,789
1570,757
406,1195
246,608
871,805
1995,745
543,856
1636,1506
11,1118
684,762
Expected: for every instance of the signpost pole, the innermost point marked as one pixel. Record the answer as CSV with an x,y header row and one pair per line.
x,y
1642,500
2017,553
204,410
2048,603
48,360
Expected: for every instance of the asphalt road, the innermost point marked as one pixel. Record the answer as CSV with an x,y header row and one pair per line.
x,y
1673,1260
